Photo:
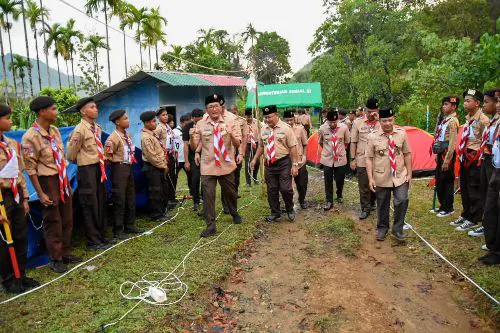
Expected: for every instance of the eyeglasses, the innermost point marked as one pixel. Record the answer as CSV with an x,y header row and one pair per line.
x,y
213,107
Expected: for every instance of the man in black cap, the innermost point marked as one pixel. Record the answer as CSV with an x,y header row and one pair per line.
x,y
360,131
281,162
86,149
120,154
389,168
190,140
43,153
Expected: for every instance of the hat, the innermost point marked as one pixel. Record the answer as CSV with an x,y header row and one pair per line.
x,y
4,110
385,113
491,93
267,110
197,113
343,111
82,102
160,111
115,115
451,99
147,116
41,102
288,114
372,103
215,98
248,112
332,115
474,93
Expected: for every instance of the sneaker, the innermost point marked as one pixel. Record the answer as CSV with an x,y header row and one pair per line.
x,y
434,211
291,216
465,226
484,248
14,286
27,282
444,214
458,221
478,232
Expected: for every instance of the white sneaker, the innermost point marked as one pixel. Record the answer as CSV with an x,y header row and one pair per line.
x,y
478,232
434,211
465,226
444,214
458,221
484,248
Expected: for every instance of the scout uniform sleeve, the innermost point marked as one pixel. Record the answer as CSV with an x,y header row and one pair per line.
x,y
452,139
236,130
74,144
21,180
109,148
291,140
154,157
30,154
347,136
354,132
406,144
370,147
303,136
320,137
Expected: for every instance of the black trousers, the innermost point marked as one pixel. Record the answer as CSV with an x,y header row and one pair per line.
x,y
228,189
491,221
237,172
470,190
301,181
249,175
92,196
123,196
279,180
156,188
366,197
195,182
486,173
170,180
400,207
337,174
445,184
19,231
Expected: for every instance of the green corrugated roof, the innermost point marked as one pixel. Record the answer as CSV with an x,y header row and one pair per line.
x,y
180,79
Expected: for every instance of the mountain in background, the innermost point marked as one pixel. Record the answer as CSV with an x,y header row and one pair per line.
x,y
54,79
303,74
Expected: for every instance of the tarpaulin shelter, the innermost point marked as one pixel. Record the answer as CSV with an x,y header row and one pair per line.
x,y
287,95
36,255
420,141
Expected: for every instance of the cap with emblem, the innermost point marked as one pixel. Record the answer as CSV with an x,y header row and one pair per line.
x,y
332,115
82,102
41,102
473,93
451,99
288,114
147,116
222,100
372,103
267,110
215,98
385,113
248,112
115,115
4,110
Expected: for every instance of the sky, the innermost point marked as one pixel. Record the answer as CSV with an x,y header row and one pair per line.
x,y
295,21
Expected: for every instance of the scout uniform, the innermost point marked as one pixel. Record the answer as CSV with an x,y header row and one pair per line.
x,y
301,180
445,139
120,153
167,137
251,149
155,162
217,164
194,177
389,172
85,148
346,121
305,120
361,129
43,153
277,143
333,156
469,146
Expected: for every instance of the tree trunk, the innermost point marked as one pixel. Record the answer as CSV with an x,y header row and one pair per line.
x,y
45,43
11,57
58,71
157,61
97,76
22,89
149,51
38,61
73,72
125,52
107,41
27,48
140,46
67,73
5,89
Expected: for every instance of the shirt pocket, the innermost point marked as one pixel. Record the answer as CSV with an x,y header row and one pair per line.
x,y
380,150
379,170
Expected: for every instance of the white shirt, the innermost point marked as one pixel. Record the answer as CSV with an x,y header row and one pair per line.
x,y
179,144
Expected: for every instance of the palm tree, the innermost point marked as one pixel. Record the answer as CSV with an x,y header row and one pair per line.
x,y
94,43
18,67
154,24
4,68
9,8
68,39
122,11
34,14
23,11
207,36
172,59
45,42
250,33
54,37
136,18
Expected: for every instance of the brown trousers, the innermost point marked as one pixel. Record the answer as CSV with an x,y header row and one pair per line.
x,y
57,219
228,189
123,196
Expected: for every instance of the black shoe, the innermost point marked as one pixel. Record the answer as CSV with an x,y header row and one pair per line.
x,y
196,206
58,266
328,206
273,218
119,236
491,259
97,247
340,200
225,210
291,216
208,233
27,282
71,259
14,286
373,207
381,235
363,215
237,219
161,218
111,241
483,257
134,230
303,205
399,236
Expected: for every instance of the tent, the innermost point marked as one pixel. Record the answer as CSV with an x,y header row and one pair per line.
x,y
288,95
36,255
420,141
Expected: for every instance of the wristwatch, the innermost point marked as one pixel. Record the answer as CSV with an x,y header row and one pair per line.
x,y
295,164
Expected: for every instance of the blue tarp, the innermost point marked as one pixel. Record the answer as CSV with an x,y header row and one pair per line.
x,y
36,257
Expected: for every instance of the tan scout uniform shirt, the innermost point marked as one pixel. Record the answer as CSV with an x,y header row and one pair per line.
x,y
81,146
378,150
37,151
325,140
284,139
301,135
493,123
116,148
167,137
305,119
359,135
6,183
478,125
152,152
207,165
346,121
255,130
450,135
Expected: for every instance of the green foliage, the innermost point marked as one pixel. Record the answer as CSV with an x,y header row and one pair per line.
x,y
271,53
64,98
22,117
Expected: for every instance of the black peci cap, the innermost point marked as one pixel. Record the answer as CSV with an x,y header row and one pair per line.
x,y
385,113
4,110
332,115
372,103
147,116
82,102
267,110
41,102
115,115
